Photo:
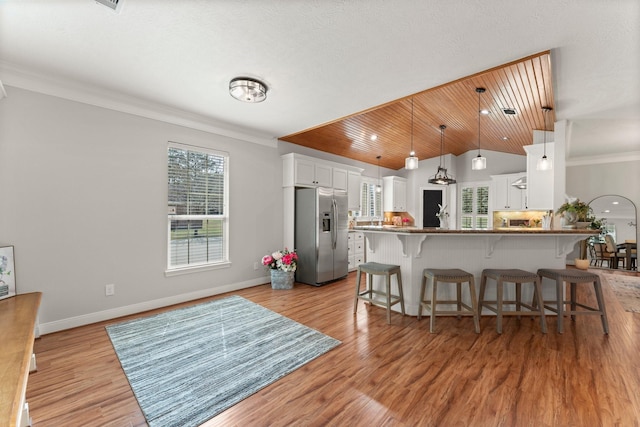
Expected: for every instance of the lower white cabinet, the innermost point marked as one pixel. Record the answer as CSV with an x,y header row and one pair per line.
x,y
356,249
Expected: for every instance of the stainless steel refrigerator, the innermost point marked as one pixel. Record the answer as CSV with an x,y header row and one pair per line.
x,y
321,235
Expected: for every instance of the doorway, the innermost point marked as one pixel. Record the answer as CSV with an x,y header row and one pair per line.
x,y
430,201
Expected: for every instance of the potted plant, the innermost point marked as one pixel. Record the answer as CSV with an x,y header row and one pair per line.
x,y
282,265
574,211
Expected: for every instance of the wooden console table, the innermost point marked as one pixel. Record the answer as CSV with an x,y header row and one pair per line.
x,y
18,316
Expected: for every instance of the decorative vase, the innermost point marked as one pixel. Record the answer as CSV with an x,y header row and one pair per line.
x,y
282,279
570,219
582,264
583,224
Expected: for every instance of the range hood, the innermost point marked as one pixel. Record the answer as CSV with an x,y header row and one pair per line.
x,y
520,183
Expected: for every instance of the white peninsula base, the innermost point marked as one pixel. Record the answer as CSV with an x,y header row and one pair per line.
x,y
415,249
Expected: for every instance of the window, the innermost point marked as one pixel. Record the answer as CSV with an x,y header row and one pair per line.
x,y
474,207
198,208
370,199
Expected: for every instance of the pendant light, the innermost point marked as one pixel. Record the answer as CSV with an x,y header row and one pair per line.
x,y
479,162
378,187
441,177
411,162
545,164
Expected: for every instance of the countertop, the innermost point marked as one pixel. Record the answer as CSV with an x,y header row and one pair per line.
x,y
515,231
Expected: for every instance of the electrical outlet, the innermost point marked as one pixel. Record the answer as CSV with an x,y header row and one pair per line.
x,y
256,265
110,289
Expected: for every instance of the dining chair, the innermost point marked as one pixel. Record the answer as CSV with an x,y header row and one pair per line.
x,y
612,250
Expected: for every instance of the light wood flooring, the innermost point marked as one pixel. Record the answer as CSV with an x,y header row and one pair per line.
x,y
382,375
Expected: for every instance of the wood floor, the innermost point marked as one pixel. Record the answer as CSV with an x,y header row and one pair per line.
x,y
382,375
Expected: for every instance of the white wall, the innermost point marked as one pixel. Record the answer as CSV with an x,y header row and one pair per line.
x,y
620,178
84,202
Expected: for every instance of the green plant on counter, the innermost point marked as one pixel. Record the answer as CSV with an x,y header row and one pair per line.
x,y
597,224
580,209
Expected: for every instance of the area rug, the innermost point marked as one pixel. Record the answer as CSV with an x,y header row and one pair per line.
x,y
626,289
187,365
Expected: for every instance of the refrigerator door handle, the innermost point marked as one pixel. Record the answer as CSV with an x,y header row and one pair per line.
x,y
334,226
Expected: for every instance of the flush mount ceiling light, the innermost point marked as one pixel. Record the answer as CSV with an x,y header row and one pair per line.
x,y
411,162
441,177
378,187
479,162
545,164
246,89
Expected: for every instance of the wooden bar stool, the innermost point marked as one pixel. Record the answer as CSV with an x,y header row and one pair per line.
x,y
456,276
574,277
377,269
518,277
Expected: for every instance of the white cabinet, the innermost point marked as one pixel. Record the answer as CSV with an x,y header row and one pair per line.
x,y
356,249
505,196
394,193
303,171
310,173
354,191
540,184
340,179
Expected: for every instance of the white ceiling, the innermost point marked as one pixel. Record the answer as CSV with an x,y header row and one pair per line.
x,y
324,59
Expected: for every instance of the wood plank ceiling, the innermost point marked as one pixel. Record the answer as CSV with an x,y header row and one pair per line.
x,y
524,85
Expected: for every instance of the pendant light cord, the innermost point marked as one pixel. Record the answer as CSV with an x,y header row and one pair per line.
x,y
545,110
411,153
480,91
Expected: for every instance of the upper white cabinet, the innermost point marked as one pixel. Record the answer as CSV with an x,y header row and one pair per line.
x,y
505,196
354,182
340,179
540,184
309,173
305,171
394,193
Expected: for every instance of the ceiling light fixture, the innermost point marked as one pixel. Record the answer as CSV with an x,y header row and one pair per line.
x,y
479,162
441,177
246,89
411,162
545,164
378,187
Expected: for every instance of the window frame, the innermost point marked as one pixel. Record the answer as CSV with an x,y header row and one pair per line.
x,y
222,262
378,201
474,215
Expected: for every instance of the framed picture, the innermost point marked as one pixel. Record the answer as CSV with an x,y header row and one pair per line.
x,y
7,272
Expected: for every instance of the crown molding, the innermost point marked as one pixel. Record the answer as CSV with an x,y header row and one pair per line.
x,y
100,97
631,156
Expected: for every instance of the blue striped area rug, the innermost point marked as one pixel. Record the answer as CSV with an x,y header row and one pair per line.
x,y
187,365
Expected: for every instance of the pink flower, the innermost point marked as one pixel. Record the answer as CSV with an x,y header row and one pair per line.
x,y
267,259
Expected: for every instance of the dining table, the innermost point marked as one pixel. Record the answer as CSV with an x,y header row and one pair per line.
x,y
628,247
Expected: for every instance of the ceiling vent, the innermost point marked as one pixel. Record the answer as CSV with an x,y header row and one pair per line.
x,y
114,5
509,111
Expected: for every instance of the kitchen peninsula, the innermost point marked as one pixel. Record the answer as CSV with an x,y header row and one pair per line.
x,y
415,249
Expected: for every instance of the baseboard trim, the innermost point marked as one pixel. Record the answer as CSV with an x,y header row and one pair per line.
x,y
100,316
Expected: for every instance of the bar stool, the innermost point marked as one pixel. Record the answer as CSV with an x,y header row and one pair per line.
x,y
456,276
518,277
377,269
574,277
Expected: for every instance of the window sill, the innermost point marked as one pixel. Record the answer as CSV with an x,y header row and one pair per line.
x,y
196,269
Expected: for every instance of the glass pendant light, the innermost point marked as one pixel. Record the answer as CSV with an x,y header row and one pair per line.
x,y
378,187
441,177
544,163
479,162
411,162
